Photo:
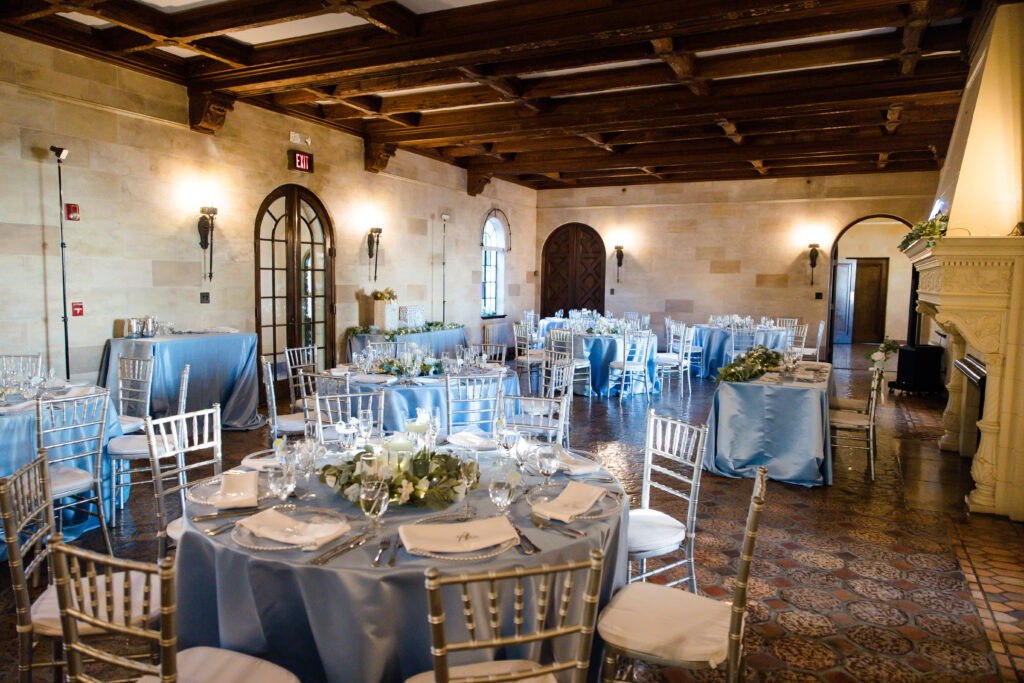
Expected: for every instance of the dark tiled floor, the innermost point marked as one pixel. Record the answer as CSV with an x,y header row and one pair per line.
x,y
885,581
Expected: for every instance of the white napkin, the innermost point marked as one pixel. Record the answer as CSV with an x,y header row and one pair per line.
x,y
574,465
472,438
429,380
461,537
806,375
281,528
17,407
222,330
575,500
260,462
75,392
374,379
237,490
340,371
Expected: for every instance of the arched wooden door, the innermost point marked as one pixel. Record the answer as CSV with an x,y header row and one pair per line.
x,y
573,265
294,242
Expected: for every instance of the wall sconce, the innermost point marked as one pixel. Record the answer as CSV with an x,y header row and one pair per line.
x,y
618,261
373,248
814,258
208,213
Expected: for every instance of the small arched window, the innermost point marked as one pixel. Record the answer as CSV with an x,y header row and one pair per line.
x,y
493,245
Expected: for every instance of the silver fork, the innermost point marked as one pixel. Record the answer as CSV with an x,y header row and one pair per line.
x,y
219,529
545,525
385,543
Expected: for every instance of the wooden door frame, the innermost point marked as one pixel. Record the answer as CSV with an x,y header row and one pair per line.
x,y
833,255
852,293
544,257
884,260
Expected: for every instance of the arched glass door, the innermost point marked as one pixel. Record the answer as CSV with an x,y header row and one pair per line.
x,y
294,243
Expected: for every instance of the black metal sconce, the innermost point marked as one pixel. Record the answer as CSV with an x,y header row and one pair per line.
x,y
618,261
373,248
814,258
208,214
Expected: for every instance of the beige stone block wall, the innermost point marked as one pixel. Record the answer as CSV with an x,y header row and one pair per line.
x,y
140,177
699,249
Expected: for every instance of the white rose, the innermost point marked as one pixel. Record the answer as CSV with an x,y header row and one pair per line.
x,y
878,355
331,479
405,492
352,493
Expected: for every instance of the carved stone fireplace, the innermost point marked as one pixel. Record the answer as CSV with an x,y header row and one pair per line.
x,y
974,289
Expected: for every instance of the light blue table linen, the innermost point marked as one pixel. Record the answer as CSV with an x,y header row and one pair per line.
x,y
439,341
601,351
717,341
546,324
783,427
223,371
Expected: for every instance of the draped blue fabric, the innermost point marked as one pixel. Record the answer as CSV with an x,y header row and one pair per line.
x,y
401,401
601,351
223,371
781,426
347,621
18,446
440,341
546,324
716,342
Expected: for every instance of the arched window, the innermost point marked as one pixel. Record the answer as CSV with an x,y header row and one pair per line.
x,y
493,244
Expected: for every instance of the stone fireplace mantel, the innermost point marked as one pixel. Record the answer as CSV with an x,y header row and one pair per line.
x,y
974,289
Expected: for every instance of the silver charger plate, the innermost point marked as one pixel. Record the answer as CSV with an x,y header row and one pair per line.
x,y
607,505
204,491
249,541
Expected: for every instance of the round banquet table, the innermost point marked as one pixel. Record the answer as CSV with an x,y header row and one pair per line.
x,y
716,342
346,620
601,350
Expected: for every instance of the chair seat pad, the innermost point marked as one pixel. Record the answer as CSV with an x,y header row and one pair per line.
x,y
651,529
484,669
291,424
628,365
581,362
858,405
66,480
668,623
131,447
175,528
848,418
667,359
131,424
45,611
214,665
809,351
528,360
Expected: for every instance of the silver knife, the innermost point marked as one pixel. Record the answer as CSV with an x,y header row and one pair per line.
x,y
394,552
236,512
326,555
528,546
385,543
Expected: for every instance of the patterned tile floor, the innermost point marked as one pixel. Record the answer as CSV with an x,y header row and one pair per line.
x,y
861,581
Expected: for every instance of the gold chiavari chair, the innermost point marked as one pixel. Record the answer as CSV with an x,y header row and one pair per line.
x,y
291,424
297,360
73,430
134,389
473,402
787,322
558,612
329,409
180,448
92,599
677,629
495,353
673,458
850,428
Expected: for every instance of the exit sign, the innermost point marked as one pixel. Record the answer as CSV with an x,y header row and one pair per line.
x,y
300,161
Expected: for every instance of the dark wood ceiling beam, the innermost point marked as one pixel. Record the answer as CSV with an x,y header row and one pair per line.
x,y
240,15
384,14
730,130
509,88
303,96
759,166
913,30
367,106
683,65
892,118
20,11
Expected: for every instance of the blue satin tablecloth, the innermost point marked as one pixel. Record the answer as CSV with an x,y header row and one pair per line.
x,y
717,342
782,426
601,351
402,400
439,341
223,371
18,447
348,621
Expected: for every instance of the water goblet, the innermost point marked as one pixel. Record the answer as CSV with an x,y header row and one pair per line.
x,y
307,453
548,463
507,441
501,491
281,480
371,466
469,469
374,497
365,424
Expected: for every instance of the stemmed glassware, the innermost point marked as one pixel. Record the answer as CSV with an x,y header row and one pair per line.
x,y
548,463
307,452
374,491
365,424
281,479
507,441
469,468
500,489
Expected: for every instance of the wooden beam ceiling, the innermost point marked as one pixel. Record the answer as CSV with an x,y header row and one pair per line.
x,y
574,92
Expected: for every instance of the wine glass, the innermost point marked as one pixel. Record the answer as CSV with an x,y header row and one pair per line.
x,y
435,426
469,469
307,453
548,463
370,466
281,480
501,491
507,440
365,424
374,497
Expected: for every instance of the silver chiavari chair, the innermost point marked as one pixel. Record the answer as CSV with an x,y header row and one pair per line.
x,y
329,409
313,383
528,359
495,353
473,401
631,316
678,629
555,374
563,340
298,359
560,610
182,450
532,321
542,418
742,340
814,353
109,596
855,430
124,451
134,389
676,358
388,349
633,366
787,322
29,365
72,430
645,322
796,337
289,425
673,459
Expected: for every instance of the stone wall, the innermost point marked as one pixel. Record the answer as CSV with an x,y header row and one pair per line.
x,y
140,177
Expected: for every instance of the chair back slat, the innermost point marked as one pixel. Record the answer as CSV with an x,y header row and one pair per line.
x,y
787,322
739,595
473,401
494,352
322,383
635,346
524,341
30,365
73,428
631,316
329,409
674,451
796,337
544,418
388,349
576,615
299,358
743,339
556,373
134,385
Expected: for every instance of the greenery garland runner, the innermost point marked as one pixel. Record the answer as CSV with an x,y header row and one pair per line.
x,y
395,366
882,353
426,479
934,229
431,326
750,365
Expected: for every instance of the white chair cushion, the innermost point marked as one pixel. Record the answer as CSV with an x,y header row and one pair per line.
x,y
213,665
858,405
581,362
175,528
45,611
666,359
66,480
650,530
131,424
847,418
668,623
484,669
132,447
291,424
628,365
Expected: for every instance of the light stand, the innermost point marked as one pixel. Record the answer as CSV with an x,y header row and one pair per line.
x,y
61,155
444,263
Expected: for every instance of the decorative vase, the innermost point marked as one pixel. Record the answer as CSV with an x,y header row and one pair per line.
x,y
385,314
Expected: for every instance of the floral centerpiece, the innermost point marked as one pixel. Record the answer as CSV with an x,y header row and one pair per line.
x,y
605,326
386,294
933,229
750,365
882,353
426,479
394,334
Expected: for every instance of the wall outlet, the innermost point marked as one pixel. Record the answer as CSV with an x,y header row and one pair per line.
x,y
204,297
819,295
613,290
